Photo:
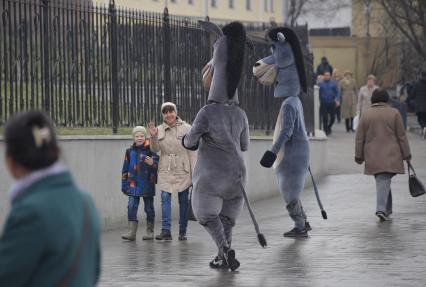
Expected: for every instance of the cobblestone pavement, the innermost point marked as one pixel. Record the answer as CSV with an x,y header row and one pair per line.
x,y
351,248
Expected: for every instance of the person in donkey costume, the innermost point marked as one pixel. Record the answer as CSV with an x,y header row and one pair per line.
x,y
139,176
220,132
290,149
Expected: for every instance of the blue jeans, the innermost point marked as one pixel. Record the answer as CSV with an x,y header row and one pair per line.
x,y
166,209
132,208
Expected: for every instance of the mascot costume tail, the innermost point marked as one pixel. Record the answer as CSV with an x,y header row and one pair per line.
x,y
290,149
220,132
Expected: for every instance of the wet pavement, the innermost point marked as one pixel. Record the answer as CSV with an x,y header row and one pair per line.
x,y
351,248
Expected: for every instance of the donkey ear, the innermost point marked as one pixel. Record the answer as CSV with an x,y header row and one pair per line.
x,y
281,37
211,27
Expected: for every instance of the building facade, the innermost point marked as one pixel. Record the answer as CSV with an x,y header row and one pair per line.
x,y
368,18
226,10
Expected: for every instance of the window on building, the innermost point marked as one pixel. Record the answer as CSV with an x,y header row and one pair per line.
x,y
173,1
271,8
214,3
248,4
265,5
191,2
231,4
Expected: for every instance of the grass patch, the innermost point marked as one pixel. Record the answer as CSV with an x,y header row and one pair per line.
x,y
64,131
261,133
92,131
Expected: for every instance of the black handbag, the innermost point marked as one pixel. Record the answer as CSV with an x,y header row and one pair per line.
x,y
415,185
190,213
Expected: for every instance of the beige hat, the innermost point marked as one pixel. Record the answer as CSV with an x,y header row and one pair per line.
x,y
139,129
168,104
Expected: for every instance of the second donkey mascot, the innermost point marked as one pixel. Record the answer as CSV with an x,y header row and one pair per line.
x,y
290,148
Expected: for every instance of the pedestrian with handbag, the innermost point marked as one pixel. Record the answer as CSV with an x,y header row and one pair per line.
x,y
51,236
381,142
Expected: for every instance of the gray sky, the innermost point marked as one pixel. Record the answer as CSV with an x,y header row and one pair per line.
x,y
343,18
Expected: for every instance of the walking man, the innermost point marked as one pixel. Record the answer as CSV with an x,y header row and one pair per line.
x,y
329,100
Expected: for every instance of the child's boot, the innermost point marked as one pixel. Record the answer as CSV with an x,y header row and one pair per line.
x,y
131,234
149,231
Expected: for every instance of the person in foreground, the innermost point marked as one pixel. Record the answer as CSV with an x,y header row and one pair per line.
x,y
51,236
382,144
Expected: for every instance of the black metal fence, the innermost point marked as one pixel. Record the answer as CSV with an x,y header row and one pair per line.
x,y
96,66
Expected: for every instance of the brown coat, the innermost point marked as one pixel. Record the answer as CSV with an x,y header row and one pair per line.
x,y
348,98
176,163
381,140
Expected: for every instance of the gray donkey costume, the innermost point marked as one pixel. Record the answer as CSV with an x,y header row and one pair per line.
x,y
291,143
220,132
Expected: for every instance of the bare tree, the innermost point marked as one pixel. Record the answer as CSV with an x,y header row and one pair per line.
x,y
382,60
409,18
317,8
294,11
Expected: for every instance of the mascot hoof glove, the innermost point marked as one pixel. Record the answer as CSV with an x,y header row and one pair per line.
x,y
268,159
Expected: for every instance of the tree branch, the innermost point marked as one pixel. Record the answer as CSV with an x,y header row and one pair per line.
x,y
407,26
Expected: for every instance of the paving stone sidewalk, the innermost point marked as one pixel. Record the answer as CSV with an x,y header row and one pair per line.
x,y
351,248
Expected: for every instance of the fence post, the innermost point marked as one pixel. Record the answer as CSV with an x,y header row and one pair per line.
x,y
166,46
114,65
317,119
46,62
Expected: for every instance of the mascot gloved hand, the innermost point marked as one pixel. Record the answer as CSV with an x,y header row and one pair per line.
x,y
268,159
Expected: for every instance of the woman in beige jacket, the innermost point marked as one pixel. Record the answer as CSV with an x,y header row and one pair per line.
x,y
382,143
174,169
364,96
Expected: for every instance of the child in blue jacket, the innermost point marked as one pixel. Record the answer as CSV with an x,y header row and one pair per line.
x,y
139,176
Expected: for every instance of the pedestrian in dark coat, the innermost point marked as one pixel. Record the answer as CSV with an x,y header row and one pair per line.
x,y
329,100
51,236
139,176
395,103
324,67
419,94
382,143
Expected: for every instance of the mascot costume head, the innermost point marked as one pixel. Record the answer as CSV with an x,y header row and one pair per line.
x,y
223,73
285,67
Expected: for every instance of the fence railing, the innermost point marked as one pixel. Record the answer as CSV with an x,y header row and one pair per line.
x,y
95,66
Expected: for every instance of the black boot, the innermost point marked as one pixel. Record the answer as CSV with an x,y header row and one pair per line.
x,y
308,226
229,256
296,233
182,236
164,235
218,263
348,125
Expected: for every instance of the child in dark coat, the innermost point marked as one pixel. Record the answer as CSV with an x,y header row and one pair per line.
x,y
139,176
